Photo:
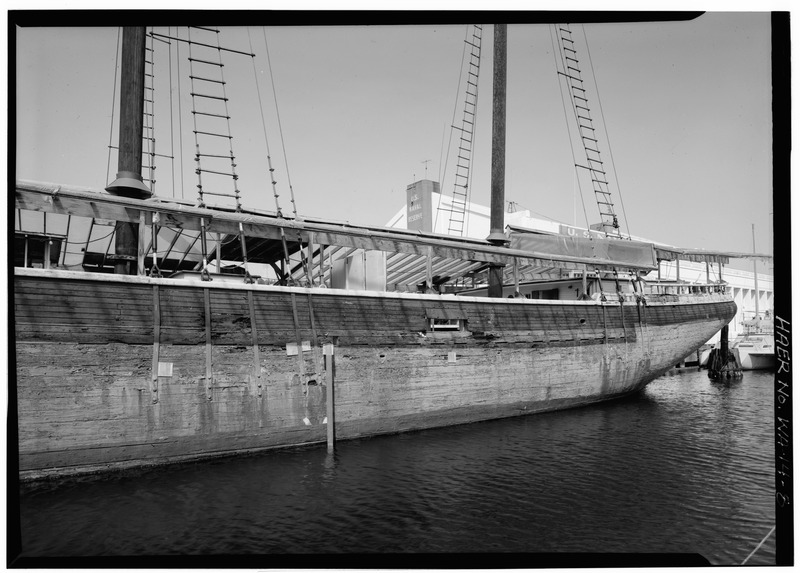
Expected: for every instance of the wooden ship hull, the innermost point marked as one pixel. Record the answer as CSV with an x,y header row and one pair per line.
x,y
116,372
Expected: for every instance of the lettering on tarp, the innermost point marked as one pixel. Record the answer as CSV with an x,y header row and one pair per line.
x,y
578,232
783,432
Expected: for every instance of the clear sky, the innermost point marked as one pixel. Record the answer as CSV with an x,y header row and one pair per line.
x,y
687,107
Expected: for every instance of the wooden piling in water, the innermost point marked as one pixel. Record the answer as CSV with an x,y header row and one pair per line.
x,y
722,363
327,351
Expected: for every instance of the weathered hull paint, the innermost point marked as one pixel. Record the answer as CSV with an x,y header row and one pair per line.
x,y
87,348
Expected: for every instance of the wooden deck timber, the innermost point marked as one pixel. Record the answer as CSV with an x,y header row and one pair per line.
x,y
115,372
82,202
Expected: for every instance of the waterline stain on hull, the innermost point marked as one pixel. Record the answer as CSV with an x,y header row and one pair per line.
x,y
95,392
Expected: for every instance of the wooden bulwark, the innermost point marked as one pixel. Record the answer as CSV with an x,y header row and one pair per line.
x,y
92,311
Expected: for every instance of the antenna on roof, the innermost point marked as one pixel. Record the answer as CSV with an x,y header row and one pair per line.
x,y
426,161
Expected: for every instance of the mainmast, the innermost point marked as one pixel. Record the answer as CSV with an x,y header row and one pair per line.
x,y
497,234
129,181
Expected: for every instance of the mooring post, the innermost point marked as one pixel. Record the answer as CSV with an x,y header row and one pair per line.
x,y
723,343
327,351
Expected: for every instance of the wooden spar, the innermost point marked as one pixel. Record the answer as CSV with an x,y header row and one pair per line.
x,y
497,226
83,202
755,269
131,116
497,222
129,174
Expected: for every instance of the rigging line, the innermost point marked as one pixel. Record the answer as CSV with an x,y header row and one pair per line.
x,y
286,258
441,183
560,42
180,112
280,128
65,242
566,121
465,231
171,115
150,122
235,177
113,102
605,129
283,147
264,129
194,120
203,264
452,123
441,152
759,545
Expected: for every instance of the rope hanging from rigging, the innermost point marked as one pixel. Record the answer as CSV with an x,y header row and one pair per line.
x,y
209,110
286,273
570,71
462,184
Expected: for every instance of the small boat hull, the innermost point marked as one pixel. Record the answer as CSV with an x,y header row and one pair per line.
x,y
756,351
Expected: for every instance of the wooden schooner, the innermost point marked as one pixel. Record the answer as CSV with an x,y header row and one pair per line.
x,y
151,353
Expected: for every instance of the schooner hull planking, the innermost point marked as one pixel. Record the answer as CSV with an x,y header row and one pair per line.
x,y
122,371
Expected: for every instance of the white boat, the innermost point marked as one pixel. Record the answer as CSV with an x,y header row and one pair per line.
x,y
756,345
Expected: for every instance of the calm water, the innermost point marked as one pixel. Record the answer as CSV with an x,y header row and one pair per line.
x,y
685,466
